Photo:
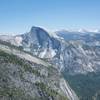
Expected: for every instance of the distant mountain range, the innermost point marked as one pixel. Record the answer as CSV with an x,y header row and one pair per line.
x,y
72,53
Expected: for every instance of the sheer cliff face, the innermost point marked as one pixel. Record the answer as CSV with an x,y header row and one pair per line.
x,y
73,56
40,43
25,77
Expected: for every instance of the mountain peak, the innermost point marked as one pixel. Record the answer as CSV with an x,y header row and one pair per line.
x,y
38,32
35,28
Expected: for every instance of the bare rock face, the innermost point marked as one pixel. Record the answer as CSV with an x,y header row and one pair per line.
x,y
40,43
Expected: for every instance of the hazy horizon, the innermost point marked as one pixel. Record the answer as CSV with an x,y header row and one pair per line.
x,y
18,16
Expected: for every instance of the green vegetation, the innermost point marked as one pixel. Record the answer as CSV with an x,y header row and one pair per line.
x,y
13,94
10,92
10,58
51,70
43,87
49,92
87,87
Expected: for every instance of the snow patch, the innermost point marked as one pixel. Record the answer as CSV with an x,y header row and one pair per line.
x,y
18,40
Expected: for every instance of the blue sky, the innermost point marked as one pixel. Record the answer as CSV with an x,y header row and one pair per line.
x,y
18,16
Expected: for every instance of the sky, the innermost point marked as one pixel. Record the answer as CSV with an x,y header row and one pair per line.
x,y
18,16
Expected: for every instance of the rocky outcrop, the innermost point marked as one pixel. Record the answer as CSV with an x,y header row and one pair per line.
x,y
73,56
